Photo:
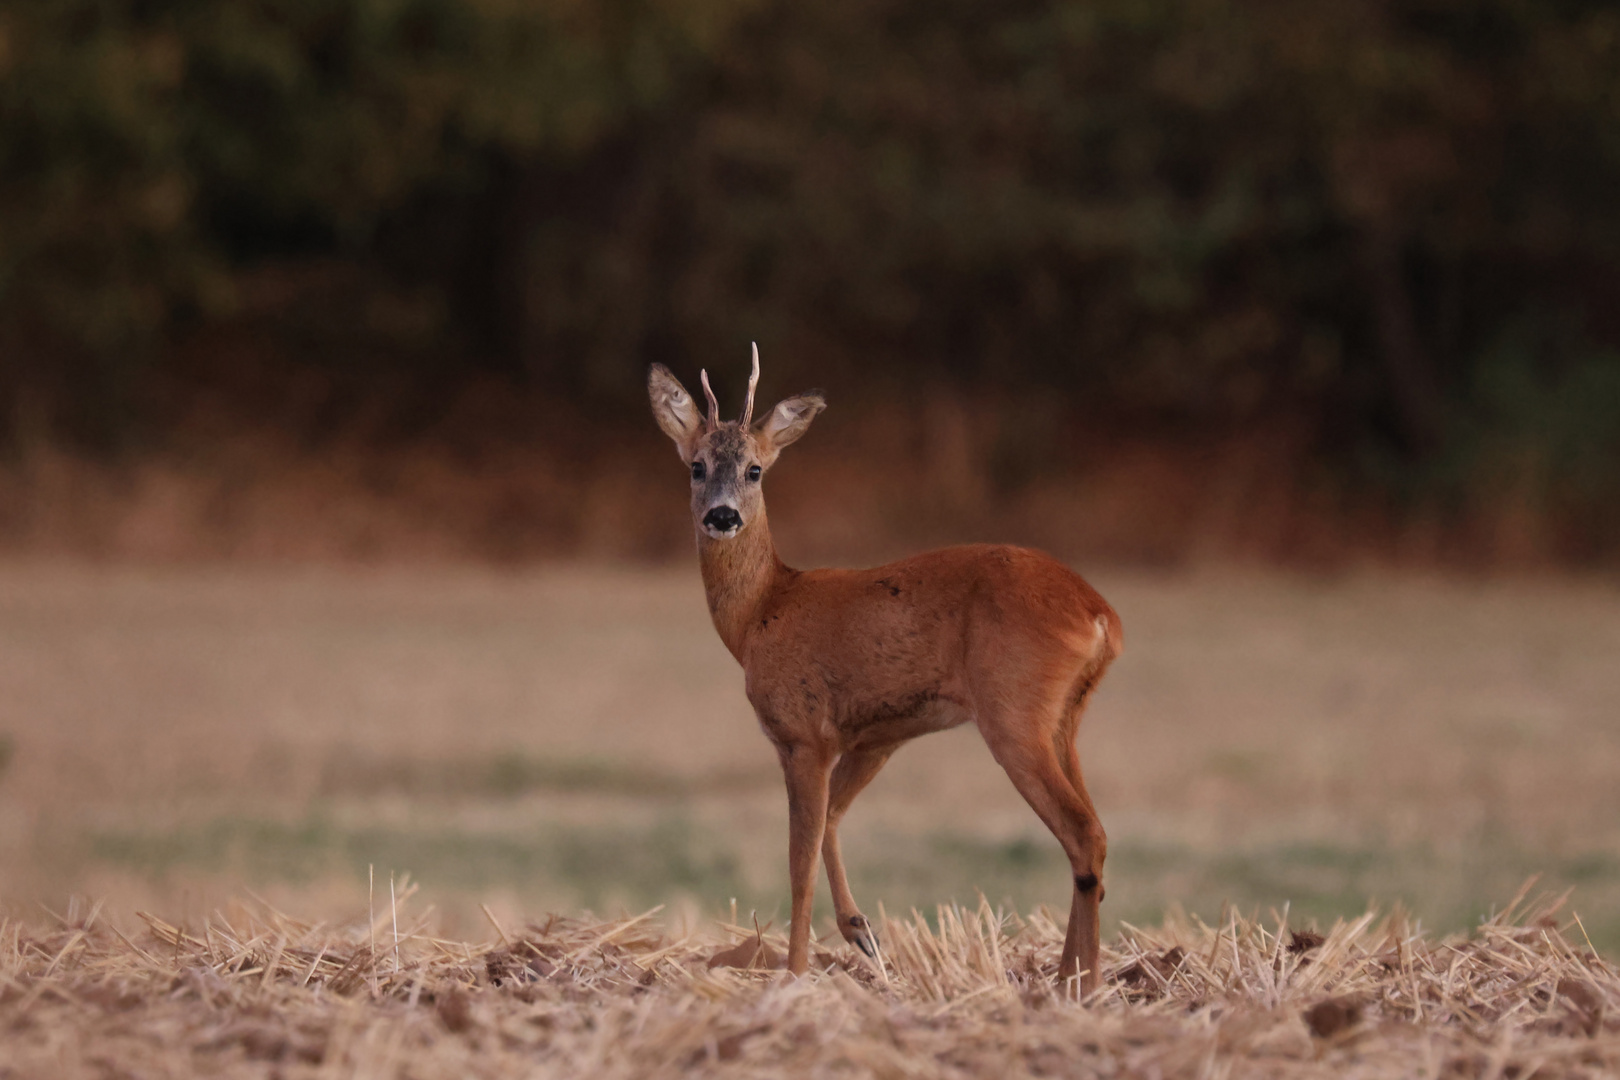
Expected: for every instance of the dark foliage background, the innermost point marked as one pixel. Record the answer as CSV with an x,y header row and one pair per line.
x,y
1391,225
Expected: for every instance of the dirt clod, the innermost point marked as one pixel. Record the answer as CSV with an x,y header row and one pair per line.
x,y
455,1011
750,954
1149,975
1587,1003
1328,1018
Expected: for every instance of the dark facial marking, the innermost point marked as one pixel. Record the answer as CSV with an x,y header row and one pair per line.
x,y
728,449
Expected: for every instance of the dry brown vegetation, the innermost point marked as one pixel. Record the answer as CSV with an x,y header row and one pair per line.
x,y
252,992
510,479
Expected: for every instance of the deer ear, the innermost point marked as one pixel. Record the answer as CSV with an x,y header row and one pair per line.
x,y
783,425
674,410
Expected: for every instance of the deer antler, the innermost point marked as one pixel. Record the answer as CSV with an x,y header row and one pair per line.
x,y
714,406
753,381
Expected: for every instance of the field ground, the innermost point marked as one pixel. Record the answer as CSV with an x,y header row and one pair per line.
x,y
252,992
574,739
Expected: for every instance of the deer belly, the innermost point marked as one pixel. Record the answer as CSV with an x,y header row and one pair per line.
x,y
902,717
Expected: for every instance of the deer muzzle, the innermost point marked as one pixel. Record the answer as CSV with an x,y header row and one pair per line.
x,y
722,521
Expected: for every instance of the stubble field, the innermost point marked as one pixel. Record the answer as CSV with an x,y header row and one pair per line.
x,y
217,747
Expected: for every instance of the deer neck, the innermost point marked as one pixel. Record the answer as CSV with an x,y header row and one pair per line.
x,y
738,575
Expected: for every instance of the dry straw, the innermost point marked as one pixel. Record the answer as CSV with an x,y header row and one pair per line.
x,y
254,992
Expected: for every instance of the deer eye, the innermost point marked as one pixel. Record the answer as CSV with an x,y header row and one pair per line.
x,y
698,471
753,473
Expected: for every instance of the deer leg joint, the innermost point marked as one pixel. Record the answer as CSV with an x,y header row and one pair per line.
x,y
1085,882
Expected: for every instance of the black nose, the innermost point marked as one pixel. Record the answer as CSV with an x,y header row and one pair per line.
x,y
723,519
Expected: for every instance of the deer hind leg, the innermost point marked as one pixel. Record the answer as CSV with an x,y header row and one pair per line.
x,y
1082,944
1069,755
1028,751
852,773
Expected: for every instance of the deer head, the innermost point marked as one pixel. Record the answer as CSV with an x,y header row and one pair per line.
x,y
727,458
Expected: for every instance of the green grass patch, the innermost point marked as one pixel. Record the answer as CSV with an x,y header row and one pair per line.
x,y
639,866
514,774
591,867
1450,889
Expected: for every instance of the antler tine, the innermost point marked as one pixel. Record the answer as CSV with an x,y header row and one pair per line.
x,y
753,381
714,406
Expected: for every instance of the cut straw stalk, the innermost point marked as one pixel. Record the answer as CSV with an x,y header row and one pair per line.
x,y
393,911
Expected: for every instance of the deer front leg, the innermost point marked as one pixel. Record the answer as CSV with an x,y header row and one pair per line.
x,y
807,772
852,773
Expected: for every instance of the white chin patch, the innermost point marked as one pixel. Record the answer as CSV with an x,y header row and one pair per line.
x,y
719,534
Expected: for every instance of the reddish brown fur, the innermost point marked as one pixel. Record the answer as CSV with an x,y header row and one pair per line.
x,y
845,665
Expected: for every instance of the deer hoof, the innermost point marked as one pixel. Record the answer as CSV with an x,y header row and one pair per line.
x,y
859,933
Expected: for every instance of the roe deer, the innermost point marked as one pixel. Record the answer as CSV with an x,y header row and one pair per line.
x,y
842,666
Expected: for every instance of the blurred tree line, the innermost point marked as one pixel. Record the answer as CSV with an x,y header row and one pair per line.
x,y
1396,222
